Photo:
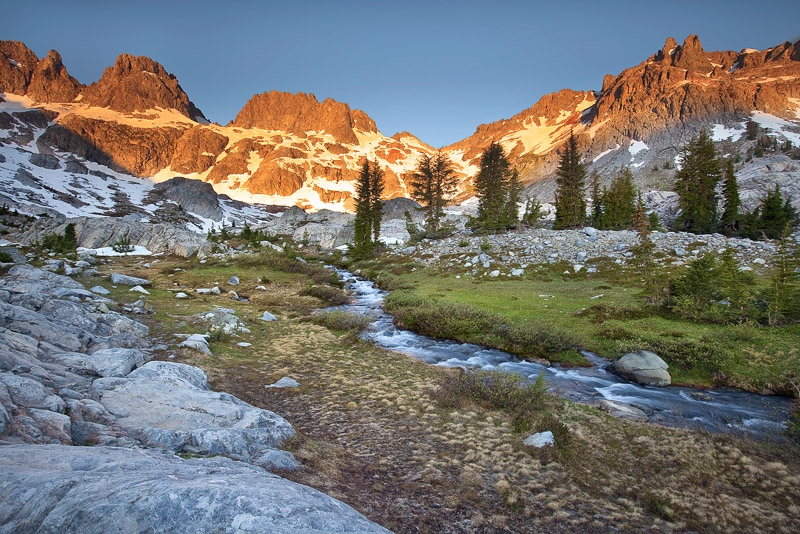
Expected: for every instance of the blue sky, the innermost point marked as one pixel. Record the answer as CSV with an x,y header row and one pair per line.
x,y
437,69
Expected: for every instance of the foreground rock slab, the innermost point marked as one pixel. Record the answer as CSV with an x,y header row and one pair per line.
x,y
53,488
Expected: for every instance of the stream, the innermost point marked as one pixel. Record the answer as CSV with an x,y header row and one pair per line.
x,y
716,410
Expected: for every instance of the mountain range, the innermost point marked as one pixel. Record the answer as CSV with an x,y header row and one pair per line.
x,y
62,140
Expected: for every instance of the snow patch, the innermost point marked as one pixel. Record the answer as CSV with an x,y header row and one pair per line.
x,y
778,125
637,146
604,153
720,132
109,251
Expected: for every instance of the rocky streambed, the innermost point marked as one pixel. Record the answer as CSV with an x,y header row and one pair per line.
x,y
75,372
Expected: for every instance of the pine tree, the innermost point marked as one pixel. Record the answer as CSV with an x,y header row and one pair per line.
x,y
362,240
783,294
533,212
730,191
771,217
597,203
695,184
655,284
514,199
735,284
491,187
570,202
376,206
433,182
619,202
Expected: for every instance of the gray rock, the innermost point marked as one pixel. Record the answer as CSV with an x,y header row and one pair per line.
x,y
158,405
76,167
233,280
285,382
123,279
194,196
517,272
643,367
157,492
45,161
198,342
540,439
139,289
29,393
621,410
276,459
267,316
220,319
181,295
116,362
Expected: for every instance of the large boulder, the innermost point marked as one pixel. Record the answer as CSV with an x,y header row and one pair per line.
x,y
643,367
169,405
55,488
194,196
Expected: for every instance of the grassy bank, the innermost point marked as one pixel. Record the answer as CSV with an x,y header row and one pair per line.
x,y
599,312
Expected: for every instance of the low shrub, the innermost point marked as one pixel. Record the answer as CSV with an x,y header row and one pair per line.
x,y
342,321
329,294
498,390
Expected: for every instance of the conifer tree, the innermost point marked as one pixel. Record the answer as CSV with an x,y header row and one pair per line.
x,y
619,202
695,184
491,187
597,203
433,182
533,212
514,199
655,284
730,192
362,240
570,202
376,192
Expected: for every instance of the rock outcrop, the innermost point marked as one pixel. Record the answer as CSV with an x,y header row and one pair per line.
x,y
97,232
52,488
301,113
192,195
139,84
50,81
69,376
197,150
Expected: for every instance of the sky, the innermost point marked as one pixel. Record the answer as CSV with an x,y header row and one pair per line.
x,y
436,69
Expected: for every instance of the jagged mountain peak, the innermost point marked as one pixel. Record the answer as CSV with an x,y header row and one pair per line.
x,y
301,112
139,83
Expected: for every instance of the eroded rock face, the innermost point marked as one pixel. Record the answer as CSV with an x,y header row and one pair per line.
x,y
50,81
139,84
17,62
157,492
299,113
197,150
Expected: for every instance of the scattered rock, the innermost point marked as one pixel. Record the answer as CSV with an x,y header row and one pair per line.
x,y
267,316
700,396
540,439
285,382
181,295
621,410
117,361
125,280
139,289
198,342
233,280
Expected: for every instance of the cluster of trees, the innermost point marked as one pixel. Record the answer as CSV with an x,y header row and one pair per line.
x,y
696,184
369,210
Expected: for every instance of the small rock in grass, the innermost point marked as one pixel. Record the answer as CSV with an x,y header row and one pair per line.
x,y
100,290
139,289
285,382
267,316
126,280
233,280
181,295
244,344
540,439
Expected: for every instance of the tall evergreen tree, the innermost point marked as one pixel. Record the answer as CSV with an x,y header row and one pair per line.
x,y
570,202
730,192
597,203
491,187
376,192
362,240
433,182
619,202
772,216
514,199
695,184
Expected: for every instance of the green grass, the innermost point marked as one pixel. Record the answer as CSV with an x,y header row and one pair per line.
x,y
750,357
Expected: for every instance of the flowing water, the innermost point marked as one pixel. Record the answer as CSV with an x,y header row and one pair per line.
x,y
712,409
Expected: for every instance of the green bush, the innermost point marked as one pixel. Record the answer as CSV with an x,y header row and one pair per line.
x,y
64,243
494,389
341,320
123,245
332,295
5,257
